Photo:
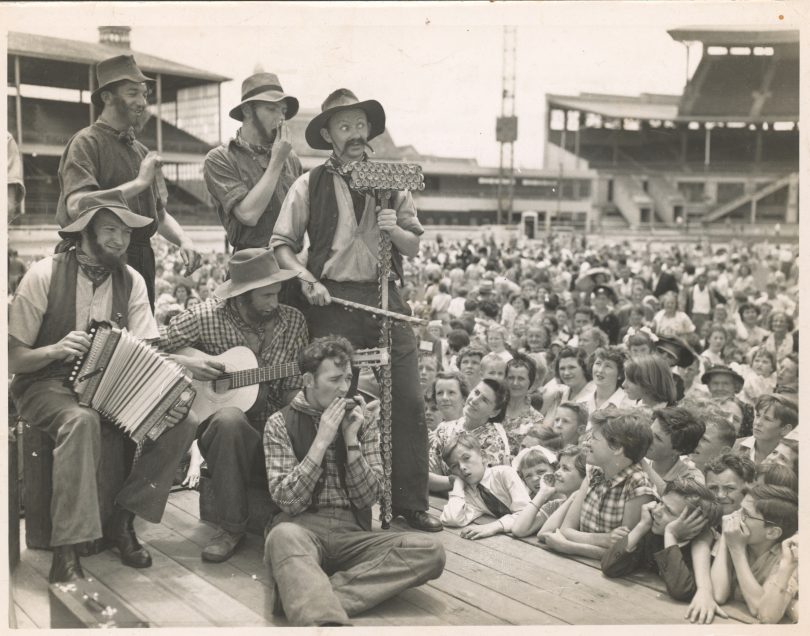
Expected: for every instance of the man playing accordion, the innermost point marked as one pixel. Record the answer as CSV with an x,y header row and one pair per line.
x,y
49,318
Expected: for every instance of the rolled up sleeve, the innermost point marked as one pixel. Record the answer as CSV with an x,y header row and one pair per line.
x,y
290,482
406,214
293,217
223,180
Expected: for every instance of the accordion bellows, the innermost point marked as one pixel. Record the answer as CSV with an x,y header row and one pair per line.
x,y
129,382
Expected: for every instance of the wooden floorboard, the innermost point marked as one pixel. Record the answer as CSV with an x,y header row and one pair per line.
x,y
23,620
493,581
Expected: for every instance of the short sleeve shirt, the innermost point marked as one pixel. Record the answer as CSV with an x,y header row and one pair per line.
x,y
603,507
96,159
231,171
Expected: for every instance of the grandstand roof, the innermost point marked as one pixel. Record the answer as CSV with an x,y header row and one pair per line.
x,y
645,106
77,52
735,36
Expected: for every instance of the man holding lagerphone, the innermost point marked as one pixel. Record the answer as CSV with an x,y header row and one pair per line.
x,y
249,176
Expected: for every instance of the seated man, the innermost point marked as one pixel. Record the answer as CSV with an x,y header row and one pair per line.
x,y
49,318
324,472
247,314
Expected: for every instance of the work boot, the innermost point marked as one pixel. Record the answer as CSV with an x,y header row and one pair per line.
x,y
89,548
420,520
65,566
121,535
222,546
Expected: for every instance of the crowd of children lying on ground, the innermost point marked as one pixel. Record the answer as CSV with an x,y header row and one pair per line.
x,y
669,488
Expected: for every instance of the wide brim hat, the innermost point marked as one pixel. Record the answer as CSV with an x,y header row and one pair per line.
x,y
93,202
607,290
678,348
721,369
115,69
340,100
585,281
250,269
264,87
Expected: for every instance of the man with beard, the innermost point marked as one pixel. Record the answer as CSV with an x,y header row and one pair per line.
x,y
247,313
249,176
344,228
106,155
48,321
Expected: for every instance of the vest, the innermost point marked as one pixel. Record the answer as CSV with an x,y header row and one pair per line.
x,y
323,220
301,430
60,316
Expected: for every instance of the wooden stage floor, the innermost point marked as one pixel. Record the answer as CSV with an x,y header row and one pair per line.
x,y
494,581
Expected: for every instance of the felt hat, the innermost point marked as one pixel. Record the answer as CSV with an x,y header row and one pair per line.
x,y
115,69
339,100
605,290
585,281
111,200
677,348
250,269
721,369
264,87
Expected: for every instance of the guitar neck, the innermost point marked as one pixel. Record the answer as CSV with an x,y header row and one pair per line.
x,y
246,377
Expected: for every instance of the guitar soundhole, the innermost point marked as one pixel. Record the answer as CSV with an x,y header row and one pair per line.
x,y
222,386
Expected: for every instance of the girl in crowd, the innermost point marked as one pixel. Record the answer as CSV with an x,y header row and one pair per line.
x,y
482,411
713,355
648,381
521,374
607,370
781,339
449,391
759,377
669,321
573,381
749,333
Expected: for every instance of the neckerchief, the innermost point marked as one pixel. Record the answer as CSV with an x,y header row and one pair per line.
x,y
300,403
254,148
336,166
95,271
124,136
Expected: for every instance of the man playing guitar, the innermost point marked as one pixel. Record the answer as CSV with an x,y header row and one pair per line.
x,y
246,313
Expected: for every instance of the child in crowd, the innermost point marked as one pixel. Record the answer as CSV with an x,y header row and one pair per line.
x,y
661,540
727,476
676,431
759,377
639,344
720,434
553,494
777,475
480,490
570,422
776,416
532,464
469,364
713,355
616,489
786,453
749,565
493,366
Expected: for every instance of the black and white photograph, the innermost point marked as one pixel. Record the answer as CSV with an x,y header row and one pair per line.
x,y
435,315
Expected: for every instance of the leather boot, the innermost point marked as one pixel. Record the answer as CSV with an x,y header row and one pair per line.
x,y
419,520
121,535
65,566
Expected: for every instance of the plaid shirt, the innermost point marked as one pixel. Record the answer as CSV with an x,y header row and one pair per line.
x,y
215,327
292,483
603,507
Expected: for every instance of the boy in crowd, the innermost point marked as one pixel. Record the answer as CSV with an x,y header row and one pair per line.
x,y
661,540
786,454
616,490
750,551
570,422
532,466
469,364
493,367
776,416
480,490
718,437
675,432
727,476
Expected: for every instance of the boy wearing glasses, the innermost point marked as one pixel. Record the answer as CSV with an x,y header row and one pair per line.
x,y
750,550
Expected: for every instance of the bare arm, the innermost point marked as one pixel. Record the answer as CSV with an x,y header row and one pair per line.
x,y
24,359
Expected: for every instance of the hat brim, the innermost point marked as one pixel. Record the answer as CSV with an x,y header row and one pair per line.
x,y
373,109
228,289
682,354
708,374
272,97
139,77
128,218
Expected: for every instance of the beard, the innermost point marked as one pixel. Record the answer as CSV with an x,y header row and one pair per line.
x,y
256,315
103,255
130,115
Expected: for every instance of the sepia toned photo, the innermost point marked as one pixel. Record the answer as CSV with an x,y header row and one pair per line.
x,y
437,315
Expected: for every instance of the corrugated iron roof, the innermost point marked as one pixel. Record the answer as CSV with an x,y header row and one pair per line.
x,y
620,106
50,48
735,36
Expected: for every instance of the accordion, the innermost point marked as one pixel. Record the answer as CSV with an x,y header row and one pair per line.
x,y
129,382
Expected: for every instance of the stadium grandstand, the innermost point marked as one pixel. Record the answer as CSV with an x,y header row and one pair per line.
x,y
50,81
725,152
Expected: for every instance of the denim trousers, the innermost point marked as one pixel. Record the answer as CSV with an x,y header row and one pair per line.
x,y
232,448
409,432
82,441
326,568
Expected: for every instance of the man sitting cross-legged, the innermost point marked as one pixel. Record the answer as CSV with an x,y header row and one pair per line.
x,y
324,471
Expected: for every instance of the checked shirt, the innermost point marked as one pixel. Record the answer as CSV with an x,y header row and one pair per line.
x,y
215,326
603,507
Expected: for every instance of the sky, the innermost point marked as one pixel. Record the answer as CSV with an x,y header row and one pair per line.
x,y
436,67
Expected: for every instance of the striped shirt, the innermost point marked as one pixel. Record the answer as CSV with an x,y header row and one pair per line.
x,y
292,483
603,507
215,327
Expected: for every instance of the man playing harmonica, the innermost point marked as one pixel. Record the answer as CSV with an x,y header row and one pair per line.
x,y
344,231
54,305
249,175
107,155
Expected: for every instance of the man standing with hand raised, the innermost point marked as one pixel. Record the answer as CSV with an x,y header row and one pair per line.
x,y
106,155
249,176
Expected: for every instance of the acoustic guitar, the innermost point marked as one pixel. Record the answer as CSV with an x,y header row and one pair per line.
x,y
239,385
